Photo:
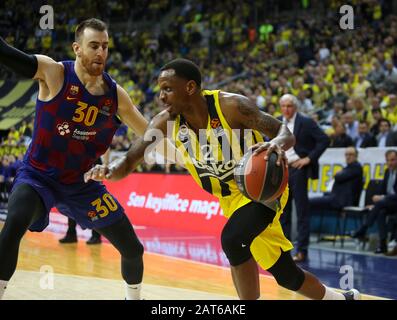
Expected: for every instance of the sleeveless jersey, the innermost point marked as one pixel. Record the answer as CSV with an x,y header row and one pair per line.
x,y
212,156
72,130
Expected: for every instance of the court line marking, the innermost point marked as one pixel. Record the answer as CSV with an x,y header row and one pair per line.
x,y
121,282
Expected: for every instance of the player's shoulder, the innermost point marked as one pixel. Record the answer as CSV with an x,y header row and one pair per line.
x,y
231,99
49,62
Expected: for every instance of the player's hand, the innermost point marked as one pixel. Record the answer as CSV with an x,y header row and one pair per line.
x,y
98,173
270,147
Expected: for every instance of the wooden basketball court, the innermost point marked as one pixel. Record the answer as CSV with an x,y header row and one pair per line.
x,y
48,270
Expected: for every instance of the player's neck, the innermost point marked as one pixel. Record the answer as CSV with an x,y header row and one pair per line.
x,y
85,78
196,113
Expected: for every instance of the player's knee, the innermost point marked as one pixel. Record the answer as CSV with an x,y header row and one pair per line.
x,y
133,250
24,205
287,273
237,250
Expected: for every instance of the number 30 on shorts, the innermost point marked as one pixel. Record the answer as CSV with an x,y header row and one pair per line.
x,y
104,204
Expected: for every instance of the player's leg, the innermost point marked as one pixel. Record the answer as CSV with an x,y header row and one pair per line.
x,y
95,238
292,277
122,236
25,206
93,207
71,234
241,229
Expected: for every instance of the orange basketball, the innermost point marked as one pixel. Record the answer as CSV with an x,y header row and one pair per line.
x,y
261,180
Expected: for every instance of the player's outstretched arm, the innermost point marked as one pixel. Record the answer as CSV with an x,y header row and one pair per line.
x,y
28,65
126,164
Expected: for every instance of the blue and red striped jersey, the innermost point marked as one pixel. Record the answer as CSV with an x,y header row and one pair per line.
x,y
72,130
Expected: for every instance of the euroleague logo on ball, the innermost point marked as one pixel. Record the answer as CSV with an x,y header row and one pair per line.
x,y
63,128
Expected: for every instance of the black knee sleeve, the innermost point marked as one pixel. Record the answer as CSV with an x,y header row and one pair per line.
x,y
287,273
122,236
242,228
235,245
25,206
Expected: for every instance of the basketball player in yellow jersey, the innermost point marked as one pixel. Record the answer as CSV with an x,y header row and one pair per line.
x,y
205,123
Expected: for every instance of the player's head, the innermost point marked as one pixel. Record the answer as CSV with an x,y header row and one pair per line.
x,y
179,80
289,105
91,45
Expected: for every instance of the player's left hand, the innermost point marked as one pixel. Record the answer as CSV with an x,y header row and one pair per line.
x,y
270,147
98,173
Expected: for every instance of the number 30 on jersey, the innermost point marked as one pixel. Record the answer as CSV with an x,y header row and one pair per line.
x,y
85,114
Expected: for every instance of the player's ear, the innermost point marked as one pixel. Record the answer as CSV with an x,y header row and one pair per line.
x,y
191,87
76,48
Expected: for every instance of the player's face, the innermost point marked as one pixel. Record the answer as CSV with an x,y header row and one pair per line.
x,y
94,51
173,92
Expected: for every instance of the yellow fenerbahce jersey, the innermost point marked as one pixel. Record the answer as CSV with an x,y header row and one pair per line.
x,y
211,158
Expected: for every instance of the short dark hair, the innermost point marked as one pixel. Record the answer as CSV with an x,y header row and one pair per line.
x,y
185,69
92,23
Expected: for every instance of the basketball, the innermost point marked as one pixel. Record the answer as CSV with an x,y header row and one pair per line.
x,y
261,180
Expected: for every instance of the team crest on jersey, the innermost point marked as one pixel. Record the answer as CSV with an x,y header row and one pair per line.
x,y
74,90
63,128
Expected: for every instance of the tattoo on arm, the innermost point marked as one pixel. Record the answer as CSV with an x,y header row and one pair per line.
x,y
253,118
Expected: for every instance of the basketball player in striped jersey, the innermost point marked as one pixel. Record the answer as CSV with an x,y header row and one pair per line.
x,y
78,109
206,131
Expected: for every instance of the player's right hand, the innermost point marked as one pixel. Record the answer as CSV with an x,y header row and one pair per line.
x,y
98,173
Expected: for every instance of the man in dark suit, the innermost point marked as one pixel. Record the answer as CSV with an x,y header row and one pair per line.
x,y
311,142
347,186
365,139
385,203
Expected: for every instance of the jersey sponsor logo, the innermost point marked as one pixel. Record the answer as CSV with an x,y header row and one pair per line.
x,y
71,98
219,170
83,135
63,128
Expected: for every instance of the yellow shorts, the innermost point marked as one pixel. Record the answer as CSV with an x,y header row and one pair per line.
x,y
266,248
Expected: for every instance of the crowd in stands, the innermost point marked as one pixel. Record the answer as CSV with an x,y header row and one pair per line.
x,y
346,80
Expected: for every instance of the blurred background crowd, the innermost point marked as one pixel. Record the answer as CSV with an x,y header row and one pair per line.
x,y
344,79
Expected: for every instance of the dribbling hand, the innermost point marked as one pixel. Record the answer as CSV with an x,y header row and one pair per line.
x,y
98,173
270,147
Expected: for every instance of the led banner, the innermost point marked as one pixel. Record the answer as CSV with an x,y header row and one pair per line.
x,y
169,201
333,160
